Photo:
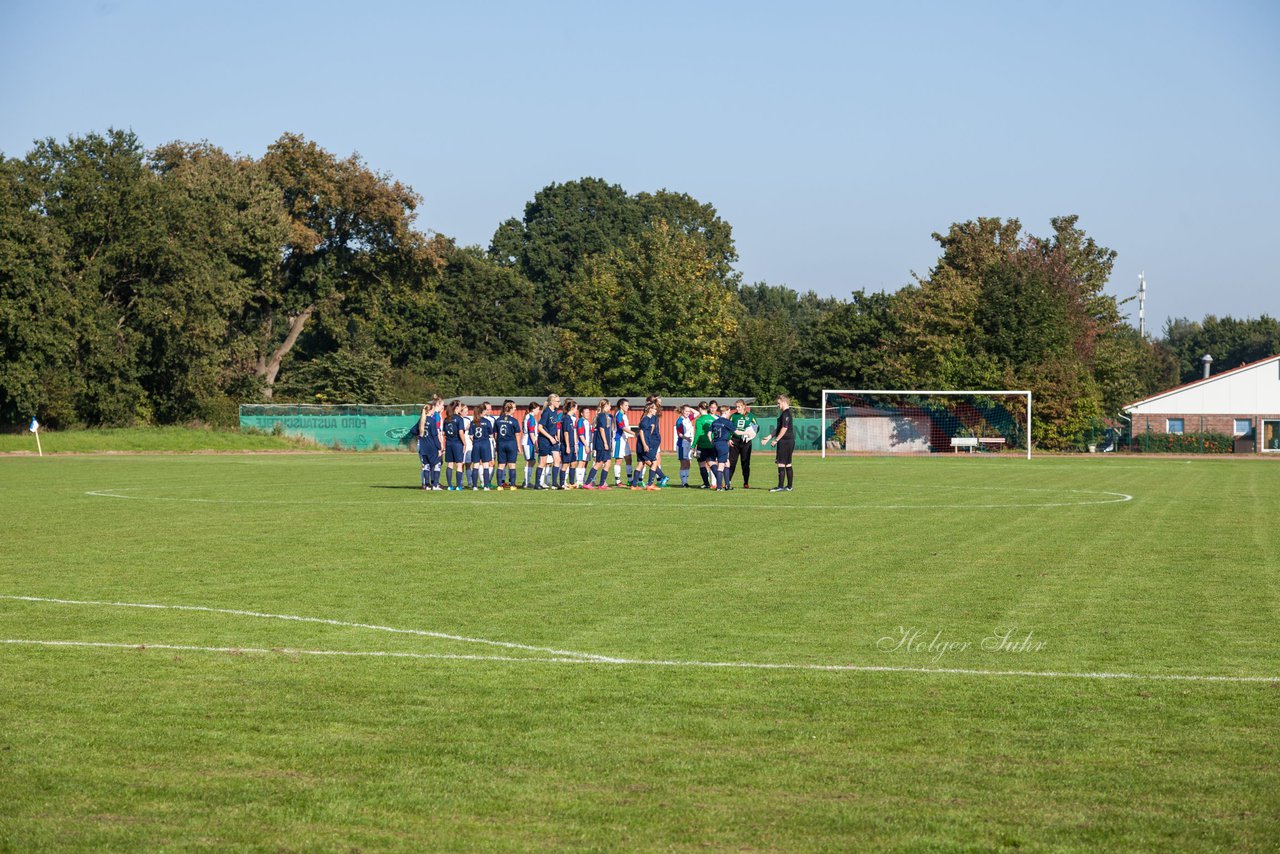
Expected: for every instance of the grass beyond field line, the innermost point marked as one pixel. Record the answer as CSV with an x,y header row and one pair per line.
x,y
1009,677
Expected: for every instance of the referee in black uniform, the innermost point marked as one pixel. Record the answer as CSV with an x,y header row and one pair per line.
x,y
784,443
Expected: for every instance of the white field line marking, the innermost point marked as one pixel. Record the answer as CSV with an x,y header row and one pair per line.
x,y
297,619
561,657
717,504
633,662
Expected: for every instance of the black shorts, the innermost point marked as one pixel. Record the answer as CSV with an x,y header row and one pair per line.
x,y
783,453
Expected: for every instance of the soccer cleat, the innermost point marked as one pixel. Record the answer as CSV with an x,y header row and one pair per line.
x,y
604,486
788,489
653,487
779,489
664,480
746,486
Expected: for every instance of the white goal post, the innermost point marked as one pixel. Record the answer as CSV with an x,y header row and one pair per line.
x,y
1026,395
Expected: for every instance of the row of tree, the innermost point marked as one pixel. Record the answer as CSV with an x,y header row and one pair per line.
x,y
172,285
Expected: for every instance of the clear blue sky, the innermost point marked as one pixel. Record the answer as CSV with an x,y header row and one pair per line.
x,y
834,137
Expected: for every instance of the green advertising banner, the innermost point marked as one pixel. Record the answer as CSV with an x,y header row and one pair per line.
x,y
808,432
360,428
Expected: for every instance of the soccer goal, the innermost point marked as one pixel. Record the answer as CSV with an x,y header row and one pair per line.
x,y
888,421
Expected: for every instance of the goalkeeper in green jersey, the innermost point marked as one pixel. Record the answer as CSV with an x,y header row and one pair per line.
x,y
744,431
702,442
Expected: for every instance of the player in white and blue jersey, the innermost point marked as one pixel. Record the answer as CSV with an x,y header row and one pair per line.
x,y
529,441
621,441
684,442
582,434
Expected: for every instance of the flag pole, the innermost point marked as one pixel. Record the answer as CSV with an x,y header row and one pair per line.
x,y
34,427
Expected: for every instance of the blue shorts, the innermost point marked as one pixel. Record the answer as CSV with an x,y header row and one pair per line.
x,y
568,450
544,446
482,452
682,449
507,452
722,452
646,456
602,452
454,452
429,456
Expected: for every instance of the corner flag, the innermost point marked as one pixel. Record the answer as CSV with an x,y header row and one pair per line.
x,y
35,426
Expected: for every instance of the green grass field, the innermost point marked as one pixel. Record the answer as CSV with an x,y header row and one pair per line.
x,y
152,439
453,740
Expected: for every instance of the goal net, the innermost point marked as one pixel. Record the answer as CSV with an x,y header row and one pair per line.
x,y
881,421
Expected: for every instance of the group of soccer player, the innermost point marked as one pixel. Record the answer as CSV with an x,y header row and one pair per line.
x,y
563,448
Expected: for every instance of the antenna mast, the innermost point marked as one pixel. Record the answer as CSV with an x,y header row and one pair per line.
x,y
1142,304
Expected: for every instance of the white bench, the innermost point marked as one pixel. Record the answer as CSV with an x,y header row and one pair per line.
x,y
992,444
958,442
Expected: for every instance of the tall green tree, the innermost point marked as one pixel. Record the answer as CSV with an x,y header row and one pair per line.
x,y
1231,342
38,309
846,347
350,228
652,316
565,224
98,194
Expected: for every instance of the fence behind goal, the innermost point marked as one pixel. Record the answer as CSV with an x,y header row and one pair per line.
x,y
925,422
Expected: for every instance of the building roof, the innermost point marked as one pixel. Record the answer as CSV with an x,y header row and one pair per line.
x,y
1213,378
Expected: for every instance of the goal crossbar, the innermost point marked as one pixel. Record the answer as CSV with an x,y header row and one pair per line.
x,y
925,393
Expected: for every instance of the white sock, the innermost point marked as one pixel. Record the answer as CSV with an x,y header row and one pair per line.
x,y
617,473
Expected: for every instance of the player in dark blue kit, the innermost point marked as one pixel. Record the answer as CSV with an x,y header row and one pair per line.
x,y
429,443
507,430
648,439
481,452
454,451
568,441
548,442
601,444
721,429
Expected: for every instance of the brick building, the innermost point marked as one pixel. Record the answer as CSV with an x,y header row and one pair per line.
x,y
1243,402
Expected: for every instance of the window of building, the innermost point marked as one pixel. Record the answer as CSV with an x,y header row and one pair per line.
x,y
1270,436
1173,425
1242,427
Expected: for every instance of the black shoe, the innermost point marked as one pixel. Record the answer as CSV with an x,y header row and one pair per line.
x,y
788,489
779,489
